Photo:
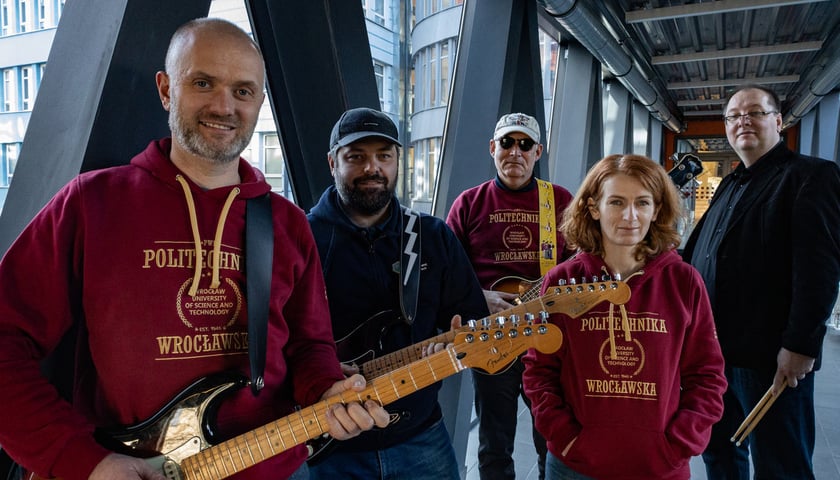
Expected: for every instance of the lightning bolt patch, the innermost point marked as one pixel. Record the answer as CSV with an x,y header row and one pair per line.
x,y
409,245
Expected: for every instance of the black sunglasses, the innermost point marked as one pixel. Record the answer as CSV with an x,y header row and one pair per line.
x,y
525,144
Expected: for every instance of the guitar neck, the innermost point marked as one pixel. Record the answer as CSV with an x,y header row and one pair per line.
x,y
402,357
533,291
381,365
231,456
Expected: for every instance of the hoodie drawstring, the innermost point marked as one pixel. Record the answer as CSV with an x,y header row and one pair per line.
x,y
624,322
625,325
217,241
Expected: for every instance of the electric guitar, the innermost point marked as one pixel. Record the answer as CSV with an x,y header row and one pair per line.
x,y
177,441
573,300
526,289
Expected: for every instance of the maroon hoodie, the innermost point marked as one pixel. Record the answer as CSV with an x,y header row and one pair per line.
x,y
119,249
638,385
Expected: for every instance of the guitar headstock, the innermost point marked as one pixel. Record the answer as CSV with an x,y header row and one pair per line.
x,y
576,299
492,348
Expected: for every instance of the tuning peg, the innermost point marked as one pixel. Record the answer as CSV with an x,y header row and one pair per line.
x,y
544,316
472,324
561,282
500,321
605,278
514,319
572,281
594,278
617,277
529,318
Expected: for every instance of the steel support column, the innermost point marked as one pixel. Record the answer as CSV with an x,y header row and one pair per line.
x,y
98,104
497,71
318,64
617,123
576,131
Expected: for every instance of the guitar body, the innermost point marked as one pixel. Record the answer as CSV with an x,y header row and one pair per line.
x,y
515,284
366,341
179,430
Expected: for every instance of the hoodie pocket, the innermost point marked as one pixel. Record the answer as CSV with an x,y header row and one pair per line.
x,y
605,450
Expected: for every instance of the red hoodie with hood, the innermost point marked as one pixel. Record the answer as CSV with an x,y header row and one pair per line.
x,y
153,267
638,385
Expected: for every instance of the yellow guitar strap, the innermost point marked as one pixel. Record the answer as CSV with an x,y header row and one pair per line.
x,y
548,227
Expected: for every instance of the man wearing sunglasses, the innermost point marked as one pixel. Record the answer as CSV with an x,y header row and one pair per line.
x,y
508,228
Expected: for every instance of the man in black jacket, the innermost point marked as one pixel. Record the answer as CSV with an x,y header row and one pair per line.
x,y
769,251
376,305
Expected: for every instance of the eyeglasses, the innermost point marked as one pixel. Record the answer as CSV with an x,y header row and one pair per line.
x,y
757,115
525,144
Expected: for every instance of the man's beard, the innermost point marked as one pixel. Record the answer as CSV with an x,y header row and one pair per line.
x,y
190,139
363,200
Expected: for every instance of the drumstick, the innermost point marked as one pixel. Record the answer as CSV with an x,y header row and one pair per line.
x,y
756,415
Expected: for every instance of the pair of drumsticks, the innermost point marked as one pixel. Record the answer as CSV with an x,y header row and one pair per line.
x,y
756,414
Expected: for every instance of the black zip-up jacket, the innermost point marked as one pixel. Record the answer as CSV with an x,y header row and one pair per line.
x,y
361,272
778,263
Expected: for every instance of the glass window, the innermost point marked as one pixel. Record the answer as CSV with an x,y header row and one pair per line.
x,y
23,18
379,73
424,168
8,90
431,167
433,76
375,10
11,151
4,17
27,88
418,81
275,164
42,14
444,73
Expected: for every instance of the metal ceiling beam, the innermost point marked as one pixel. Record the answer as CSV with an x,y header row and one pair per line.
x,y
584,24
733,81
703,113
709,8
708,102
737,52
700,103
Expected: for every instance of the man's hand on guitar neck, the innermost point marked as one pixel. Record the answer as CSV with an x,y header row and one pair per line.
x,y
432,348
122,467
498,301
347,421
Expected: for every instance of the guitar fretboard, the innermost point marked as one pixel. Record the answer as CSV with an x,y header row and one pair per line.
x,y
532,293
229,457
